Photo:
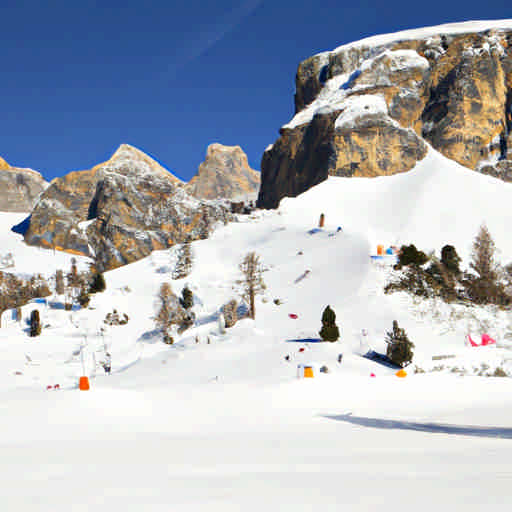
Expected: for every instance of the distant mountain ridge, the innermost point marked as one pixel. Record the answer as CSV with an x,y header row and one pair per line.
x,y
369,108
120,211
19,188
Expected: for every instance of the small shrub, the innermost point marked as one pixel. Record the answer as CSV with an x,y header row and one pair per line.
x,y
499,372
229,311
115,318
186,320
83,298
167,339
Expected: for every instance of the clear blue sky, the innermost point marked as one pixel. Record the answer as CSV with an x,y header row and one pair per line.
x,y
170,77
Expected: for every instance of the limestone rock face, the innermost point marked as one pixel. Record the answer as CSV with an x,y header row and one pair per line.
x,y
225,173
19,188
368,108
120,211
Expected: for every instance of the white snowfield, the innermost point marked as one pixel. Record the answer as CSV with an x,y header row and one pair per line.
x,y
227,425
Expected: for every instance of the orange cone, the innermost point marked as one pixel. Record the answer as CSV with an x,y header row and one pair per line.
x,y
308,372
83,383
401,373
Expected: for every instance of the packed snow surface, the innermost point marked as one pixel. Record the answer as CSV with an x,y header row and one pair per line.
x,y
221,422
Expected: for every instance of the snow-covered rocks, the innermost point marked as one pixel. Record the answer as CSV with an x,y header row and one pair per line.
x,y
448,85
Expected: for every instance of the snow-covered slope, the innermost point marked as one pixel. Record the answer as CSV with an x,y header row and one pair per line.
x,y
437,203
226,424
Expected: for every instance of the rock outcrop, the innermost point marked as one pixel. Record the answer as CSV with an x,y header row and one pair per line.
x,y
368,108
19,188
225,173
120,211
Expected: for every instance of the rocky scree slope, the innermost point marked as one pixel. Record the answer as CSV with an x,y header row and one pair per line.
x,y
19,188
367,108
225,173
120,211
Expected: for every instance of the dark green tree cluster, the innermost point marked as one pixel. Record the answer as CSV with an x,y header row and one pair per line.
x,y
443,277
399,346
329,330
409,255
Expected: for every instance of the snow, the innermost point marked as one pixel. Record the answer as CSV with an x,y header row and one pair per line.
x,y
358,107
335,93
464,27
227,425
330,99
29,260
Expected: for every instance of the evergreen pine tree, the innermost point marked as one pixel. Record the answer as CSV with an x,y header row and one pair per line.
x,y
450,259
484,287
35,323
187,297
399,346
184,261
329,330
98,283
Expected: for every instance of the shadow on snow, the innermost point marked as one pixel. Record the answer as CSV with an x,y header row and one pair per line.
x,y
434,428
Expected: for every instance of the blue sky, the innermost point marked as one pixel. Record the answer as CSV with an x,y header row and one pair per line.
x,y
171,77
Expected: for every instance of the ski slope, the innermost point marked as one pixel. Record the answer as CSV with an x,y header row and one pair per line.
x,y
227,425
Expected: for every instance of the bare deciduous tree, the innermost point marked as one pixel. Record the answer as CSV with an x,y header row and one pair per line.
x,y
252,280
59,282
163,318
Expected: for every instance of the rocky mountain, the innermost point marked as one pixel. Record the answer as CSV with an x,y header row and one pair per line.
x,y
19,188
119,211
225,173
369,108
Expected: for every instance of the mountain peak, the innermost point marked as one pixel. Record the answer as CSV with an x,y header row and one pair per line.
x,y
130,157
4,166
224,173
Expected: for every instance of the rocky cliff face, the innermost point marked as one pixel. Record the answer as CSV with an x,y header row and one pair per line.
x,y
225,173
120,211
19,188
368,108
